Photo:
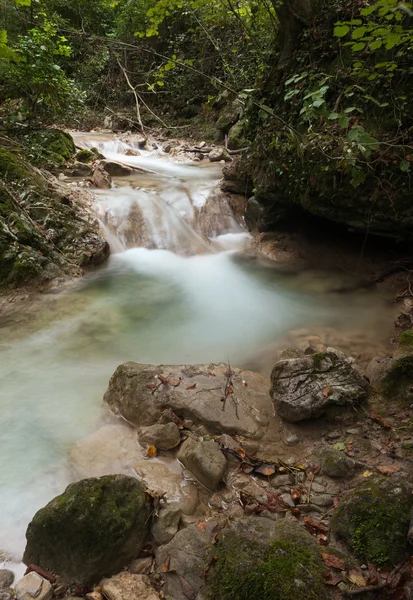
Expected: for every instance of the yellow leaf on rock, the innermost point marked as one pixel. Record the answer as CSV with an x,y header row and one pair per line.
x,y
151,451
367,473
357,578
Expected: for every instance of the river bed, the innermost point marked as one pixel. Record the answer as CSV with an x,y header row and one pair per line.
x,y
181,287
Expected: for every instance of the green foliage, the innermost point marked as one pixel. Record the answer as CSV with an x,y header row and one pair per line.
x,y
35,77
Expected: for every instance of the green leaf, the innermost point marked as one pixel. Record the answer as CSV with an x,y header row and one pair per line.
x,y
376,45
343,121
365,12
318,102
358,33
341,30
404,166
350,109
339,446
332,116
358,47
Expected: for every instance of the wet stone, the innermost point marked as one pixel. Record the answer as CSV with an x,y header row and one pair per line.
x,y
6,578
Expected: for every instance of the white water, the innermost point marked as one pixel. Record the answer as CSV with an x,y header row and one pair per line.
x,y
181,299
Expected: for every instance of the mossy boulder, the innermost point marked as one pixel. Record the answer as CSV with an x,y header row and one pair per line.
x,y
397,381
236,136
85,156
374,520
335,463
90,531
283,565
49,147
229,116
406,340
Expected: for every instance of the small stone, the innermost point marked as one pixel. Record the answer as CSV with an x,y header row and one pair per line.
x,y
291,440
318,487
353,431
205,460
322,500
128,586
141,566
116,169
333,435
33,586
286,498
219,154
6,578
163,436
407,444
281,480
335,463
94,596
166,525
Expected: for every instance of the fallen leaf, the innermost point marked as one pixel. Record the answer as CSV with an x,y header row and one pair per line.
x,y
314,526
191,387
340,446
174,382
336,502
229,390
295,494
151,386
165,566
241,452
266,469
333,561
367,474
357,578
151,451
187,588
212,374
388,470
201,525
209,565
163,379
327,391
379,420
372,579
322,539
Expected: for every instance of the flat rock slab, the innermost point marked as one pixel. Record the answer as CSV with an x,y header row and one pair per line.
x,y
33,586
128,586
194,392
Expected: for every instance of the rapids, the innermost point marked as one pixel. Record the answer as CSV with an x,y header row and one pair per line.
x,y
177,289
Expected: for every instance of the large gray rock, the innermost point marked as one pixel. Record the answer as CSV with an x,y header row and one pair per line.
x,y
138,395
90,531
115,169
335,463
182,562
166,524
218,154
128,586
303,388
164,436
205,460
33,586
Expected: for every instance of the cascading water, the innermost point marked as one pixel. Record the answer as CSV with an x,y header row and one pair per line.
x,y
174,291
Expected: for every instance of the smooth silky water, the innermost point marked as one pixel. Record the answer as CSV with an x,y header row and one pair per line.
x,y
169,294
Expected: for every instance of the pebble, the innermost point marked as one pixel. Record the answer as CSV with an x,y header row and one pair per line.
x,y
318,487
353,431
322,500
291,440
408,444
281,480
286,498
333,435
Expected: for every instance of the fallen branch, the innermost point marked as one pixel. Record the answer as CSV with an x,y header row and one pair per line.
x,y
367,589
232,152
138,111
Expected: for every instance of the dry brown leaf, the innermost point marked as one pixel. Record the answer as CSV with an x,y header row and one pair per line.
x,y
266,469
314,526
295,494
167,562
201,525
327,391
191,387
379,420
333,561
244,383
163,379
357,578
151,451
388,470
151,386
187,588
241,452
331,578
174,382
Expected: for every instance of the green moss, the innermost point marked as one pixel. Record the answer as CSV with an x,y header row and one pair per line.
x,y
399,378
318,359
85,156
406,339
374,520
282,570
49,147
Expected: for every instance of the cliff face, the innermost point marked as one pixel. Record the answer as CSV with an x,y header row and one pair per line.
x,y
46,229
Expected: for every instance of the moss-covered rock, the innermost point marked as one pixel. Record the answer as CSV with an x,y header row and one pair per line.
x,y
43,231
398,379
91,530
406,340
49,147
85,156
374,520
236,136
285,567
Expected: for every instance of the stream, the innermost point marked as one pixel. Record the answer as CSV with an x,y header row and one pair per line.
x,y
181,286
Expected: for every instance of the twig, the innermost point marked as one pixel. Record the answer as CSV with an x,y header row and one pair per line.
x,y
138,111
367,589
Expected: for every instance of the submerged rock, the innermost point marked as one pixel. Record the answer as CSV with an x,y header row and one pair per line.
x,y
33,586
194,392
205,460
128,586
374,520
303,388
90,531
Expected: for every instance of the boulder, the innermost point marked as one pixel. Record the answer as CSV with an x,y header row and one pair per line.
x,y
128,586
33,586
229,115
80,169
101,179
110,449
373,519
6,578
194,392
393,376
335,463
236,136
157,477
115,169
85,156
183,560
164,436
218,154
90,531
260,558
205,460
303,388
